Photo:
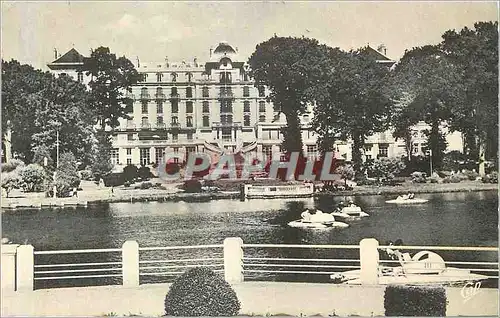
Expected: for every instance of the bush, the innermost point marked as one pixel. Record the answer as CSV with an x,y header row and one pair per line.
x,y
126,184
192,186
415,301
470,175
365,181
144,173
114,179
10,180
68,170
12,165
418,177
32,178
86,175
452,179
490,178
146,185
63,187
201,292
130,173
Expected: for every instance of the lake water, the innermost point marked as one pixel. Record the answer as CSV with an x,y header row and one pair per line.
x,y
452,219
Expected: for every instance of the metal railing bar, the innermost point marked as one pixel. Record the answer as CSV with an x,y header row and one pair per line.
x,y
80,270
444,248
300,265
104,250
73,277
451,262
434,269
300,259
287,272
182,260
161,274
302,246
179,247
180,266
80,264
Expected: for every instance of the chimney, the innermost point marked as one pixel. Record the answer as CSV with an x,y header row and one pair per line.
x,y
55,53
166,61
211,52
138,62
195,61
385,51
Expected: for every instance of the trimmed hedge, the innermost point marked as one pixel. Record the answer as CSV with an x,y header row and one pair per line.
x,y
415,301
201,292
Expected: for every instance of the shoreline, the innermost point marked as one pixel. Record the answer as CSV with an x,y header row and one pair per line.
x,y
33,201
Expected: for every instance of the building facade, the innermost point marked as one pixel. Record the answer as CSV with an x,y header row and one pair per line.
x,y
211,107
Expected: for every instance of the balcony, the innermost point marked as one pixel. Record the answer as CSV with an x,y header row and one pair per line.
x,y
161,126
226,94
160,97
175,96
175,125
145,126
226,124
145,96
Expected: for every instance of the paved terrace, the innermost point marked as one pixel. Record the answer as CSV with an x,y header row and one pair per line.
x,y
257,298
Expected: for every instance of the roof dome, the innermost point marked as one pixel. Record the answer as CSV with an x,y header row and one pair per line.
x,y
224,48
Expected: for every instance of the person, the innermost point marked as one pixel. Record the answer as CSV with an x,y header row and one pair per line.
x,y
306,216
411,196
75,192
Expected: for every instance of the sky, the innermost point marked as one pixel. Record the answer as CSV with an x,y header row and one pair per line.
x,y
181,31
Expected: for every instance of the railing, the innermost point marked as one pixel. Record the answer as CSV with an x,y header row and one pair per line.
x,y
160,96
253,191
22,266
174,96
226,94
145,96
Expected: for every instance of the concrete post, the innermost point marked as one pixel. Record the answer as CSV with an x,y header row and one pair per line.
x,y
369,258
25,268
130,264
233,260
8,267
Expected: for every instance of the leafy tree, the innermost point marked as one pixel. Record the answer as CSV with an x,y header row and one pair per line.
x,y
351,103
385,169
10,180
12,165
110,78
346,172
130,173
67,176
40,153
289,67
101,164
432,82
474,52
38,104
32,178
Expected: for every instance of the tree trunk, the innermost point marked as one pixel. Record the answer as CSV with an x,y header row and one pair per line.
x,y
482,156
357,160
292,134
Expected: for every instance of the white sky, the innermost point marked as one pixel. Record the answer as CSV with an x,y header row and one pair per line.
x,y
184,30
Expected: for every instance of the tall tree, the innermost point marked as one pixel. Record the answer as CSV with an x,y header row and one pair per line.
x,y
475,53
110,79
289,67
351,103
432,82
38,104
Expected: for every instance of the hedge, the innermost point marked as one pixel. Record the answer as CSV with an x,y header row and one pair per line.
x,y
415,301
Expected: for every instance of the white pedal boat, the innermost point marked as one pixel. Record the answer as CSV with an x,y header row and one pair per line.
x,y
401,200
423,268
350,212
318,220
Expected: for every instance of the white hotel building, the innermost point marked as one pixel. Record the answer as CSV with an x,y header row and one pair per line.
x,y
213,106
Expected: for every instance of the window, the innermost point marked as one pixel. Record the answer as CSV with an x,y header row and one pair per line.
x,y
246,120
144,122
189,78
114,156
226,107
415,148
226,134
226,119
129,161
130,137
189,107
204,92
206,108
159,120
189,92
159,107
190,149
206,121
311,151
80,77
173,77
246,106
383,150
268,151
144,156
130,123
159,76
173,91
143,77
189,121
246,91
159,93
144,107
245,76
175,106
175,138
129,151
262,106
189,136
225,77
159,154
262,118
262,91
306,118
144,93
175,120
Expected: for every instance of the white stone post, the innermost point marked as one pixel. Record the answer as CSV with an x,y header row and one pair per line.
x,y
369,258
8,267
233,260
130,264
25,268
